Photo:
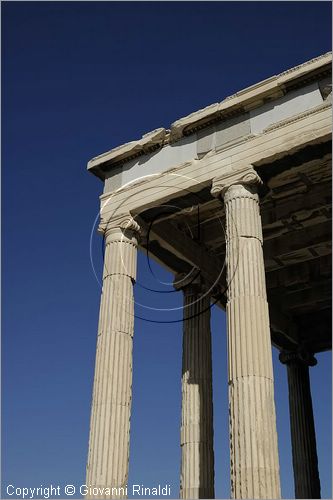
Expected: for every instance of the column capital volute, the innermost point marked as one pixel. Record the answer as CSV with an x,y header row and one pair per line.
x,y
298,356
246,177
124,224
191,283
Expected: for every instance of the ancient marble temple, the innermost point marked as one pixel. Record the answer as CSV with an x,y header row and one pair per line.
x,y
259,164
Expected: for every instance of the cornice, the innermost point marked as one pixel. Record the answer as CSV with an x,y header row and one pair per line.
x,y
149,142
303,67
238,103
248,98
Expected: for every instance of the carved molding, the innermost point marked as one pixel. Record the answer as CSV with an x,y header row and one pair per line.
x,y
244,177
124,222
301,356
192,282
245,99
148,142
238,103
327,55
298,117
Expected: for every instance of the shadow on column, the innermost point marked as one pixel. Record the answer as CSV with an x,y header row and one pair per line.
x,y
303,436
197,470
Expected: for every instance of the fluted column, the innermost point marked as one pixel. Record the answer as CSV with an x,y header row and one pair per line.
x,y
253,436
108,454
303,436
197,454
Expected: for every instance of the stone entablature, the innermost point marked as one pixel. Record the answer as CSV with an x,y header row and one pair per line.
x,y
248,112
311,127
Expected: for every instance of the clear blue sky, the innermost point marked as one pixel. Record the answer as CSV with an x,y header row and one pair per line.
x,y
79,79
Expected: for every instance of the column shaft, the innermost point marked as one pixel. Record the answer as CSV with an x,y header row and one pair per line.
x,y
303,437
253,448
197,461
108,454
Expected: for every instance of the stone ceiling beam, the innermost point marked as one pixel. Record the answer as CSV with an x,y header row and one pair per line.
x,y
194,253
300,273
315,294
298,240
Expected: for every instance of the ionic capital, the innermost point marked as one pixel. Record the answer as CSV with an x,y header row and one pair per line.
x,y
245,183
299,356
191,283
124,224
